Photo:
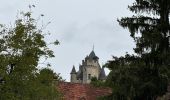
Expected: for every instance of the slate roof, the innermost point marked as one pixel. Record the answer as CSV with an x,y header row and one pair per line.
x,y
93,55
78,91
102,75
80,73
73,71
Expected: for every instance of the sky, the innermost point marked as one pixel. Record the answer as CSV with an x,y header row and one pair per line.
x,y
78,25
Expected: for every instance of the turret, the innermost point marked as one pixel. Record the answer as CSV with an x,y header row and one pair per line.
x,y
102,75
89,68
73,75
93,56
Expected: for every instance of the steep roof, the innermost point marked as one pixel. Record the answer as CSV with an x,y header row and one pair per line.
x,y
102,75
78,91
73,71
93,55
80,73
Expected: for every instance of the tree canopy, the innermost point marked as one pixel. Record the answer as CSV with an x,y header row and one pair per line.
x,y
21,47
146,75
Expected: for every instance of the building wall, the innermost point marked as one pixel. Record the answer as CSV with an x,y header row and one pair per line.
x,y
89,71
73,78
90,68
92,63
93,72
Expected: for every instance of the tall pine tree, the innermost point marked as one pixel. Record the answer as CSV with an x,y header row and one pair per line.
x,y
145,76
151,22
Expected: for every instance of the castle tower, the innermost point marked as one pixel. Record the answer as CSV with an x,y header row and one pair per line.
x,y
89,68
73,75
102,75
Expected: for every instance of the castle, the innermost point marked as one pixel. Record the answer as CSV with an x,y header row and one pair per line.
x,y
89,68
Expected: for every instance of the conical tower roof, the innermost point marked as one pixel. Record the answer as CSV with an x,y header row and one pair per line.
x,y
102,75
73,71
93,55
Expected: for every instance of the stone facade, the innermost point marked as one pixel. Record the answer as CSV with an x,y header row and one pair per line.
x,y
89,68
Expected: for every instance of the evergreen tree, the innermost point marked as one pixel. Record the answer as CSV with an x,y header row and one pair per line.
x,y
150,29
145,76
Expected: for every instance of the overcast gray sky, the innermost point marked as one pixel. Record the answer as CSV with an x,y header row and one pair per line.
x,y
78,24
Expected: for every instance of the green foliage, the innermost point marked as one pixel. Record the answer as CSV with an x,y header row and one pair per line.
x,y
145,76
150,26
130,79
21,48
97,83
45,86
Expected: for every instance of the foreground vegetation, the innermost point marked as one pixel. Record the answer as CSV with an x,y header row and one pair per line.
x,y
21,47
145,75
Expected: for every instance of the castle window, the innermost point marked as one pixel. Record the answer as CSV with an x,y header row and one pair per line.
x,y
89,76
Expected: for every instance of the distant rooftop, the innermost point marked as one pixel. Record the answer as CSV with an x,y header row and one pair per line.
x,y
73,71
78,91
93,55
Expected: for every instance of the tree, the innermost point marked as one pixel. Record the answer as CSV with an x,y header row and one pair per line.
x,y
145,76
97,83
45,87
152,23
130,79
21,47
